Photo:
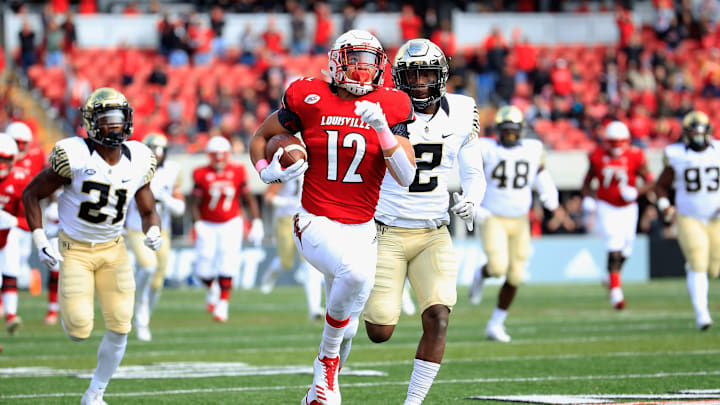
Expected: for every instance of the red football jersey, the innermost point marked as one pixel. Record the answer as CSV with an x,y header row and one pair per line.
x,y
33,161
11,188
346,164
614,172
219,192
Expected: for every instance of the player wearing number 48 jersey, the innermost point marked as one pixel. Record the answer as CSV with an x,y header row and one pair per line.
x,y
616,165
354,129
99,175
513,167
692,166
218,222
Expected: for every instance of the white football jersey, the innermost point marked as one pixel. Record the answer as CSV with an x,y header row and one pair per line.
x,y
291,191
166,178
436,140
93,207
510,174
697,179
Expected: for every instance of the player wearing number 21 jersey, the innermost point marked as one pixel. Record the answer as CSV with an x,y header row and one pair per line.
x,y
353,129
616,165
98,175
218,221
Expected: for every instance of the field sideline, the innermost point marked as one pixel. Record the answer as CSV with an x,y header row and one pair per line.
x,y
566,340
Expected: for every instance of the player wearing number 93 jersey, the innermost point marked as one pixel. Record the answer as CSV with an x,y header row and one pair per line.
x,y
616,165
692,166
353,129
99,175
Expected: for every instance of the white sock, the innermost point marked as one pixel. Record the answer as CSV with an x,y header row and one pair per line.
x,y
697,284
313,288
53,306
142,280
498,316
331,340
110,353
422,377
153,296
345,347
10,300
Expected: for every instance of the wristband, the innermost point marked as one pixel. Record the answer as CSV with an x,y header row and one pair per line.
x,y
387,139
261,164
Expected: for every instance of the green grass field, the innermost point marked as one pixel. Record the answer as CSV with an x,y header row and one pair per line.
x,y
566,340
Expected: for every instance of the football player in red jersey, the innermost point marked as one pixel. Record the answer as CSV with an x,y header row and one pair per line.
x,y
12,183
616,165
31,159
354,129
215,208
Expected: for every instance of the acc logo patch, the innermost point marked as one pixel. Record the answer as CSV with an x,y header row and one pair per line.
x,y
312,99
89,172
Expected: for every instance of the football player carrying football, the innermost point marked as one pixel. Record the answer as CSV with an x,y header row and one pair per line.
x,y
354,130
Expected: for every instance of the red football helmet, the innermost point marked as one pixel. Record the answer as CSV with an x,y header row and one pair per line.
x,y
357,62
8,152
617,138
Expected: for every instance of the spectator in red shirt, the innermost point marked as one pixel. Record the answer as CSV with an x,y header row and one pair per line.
x,y
640,124
60,6
525,55
201,37
87,7
323,28
410,23
132,9
272,37
623,19
561,78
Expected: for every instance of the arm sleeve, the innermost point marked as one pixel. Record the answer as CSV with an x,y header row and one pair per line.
x,y
472,172
547,190
59,162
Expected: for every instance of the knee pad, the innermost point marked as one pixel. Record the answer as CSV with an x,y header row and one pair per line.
x,y
77,332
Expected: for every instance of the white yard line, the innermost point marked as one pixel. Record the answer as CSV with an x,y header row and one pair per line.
x,y
133,352
377,384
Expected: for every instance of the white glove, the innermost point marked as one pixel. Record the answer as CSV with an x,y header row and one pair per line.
x,y
589,204
481,214
7,220
46,252
153,240
371,114
274,172
463,209
628,193
257,232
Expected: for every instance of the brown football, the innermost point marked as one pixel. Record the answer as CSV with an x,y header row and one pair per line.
x,y
294,149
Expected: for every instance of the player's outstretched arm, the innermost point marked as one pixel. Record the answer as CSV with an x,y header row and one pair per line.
x,y
42,186
662,191
547,191
145,201
647,176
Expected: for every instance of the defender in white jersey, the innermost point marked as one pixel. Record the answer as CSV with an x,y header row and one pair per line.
x,y
150,265
413,240
285,200
513,167
99,175
692,167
